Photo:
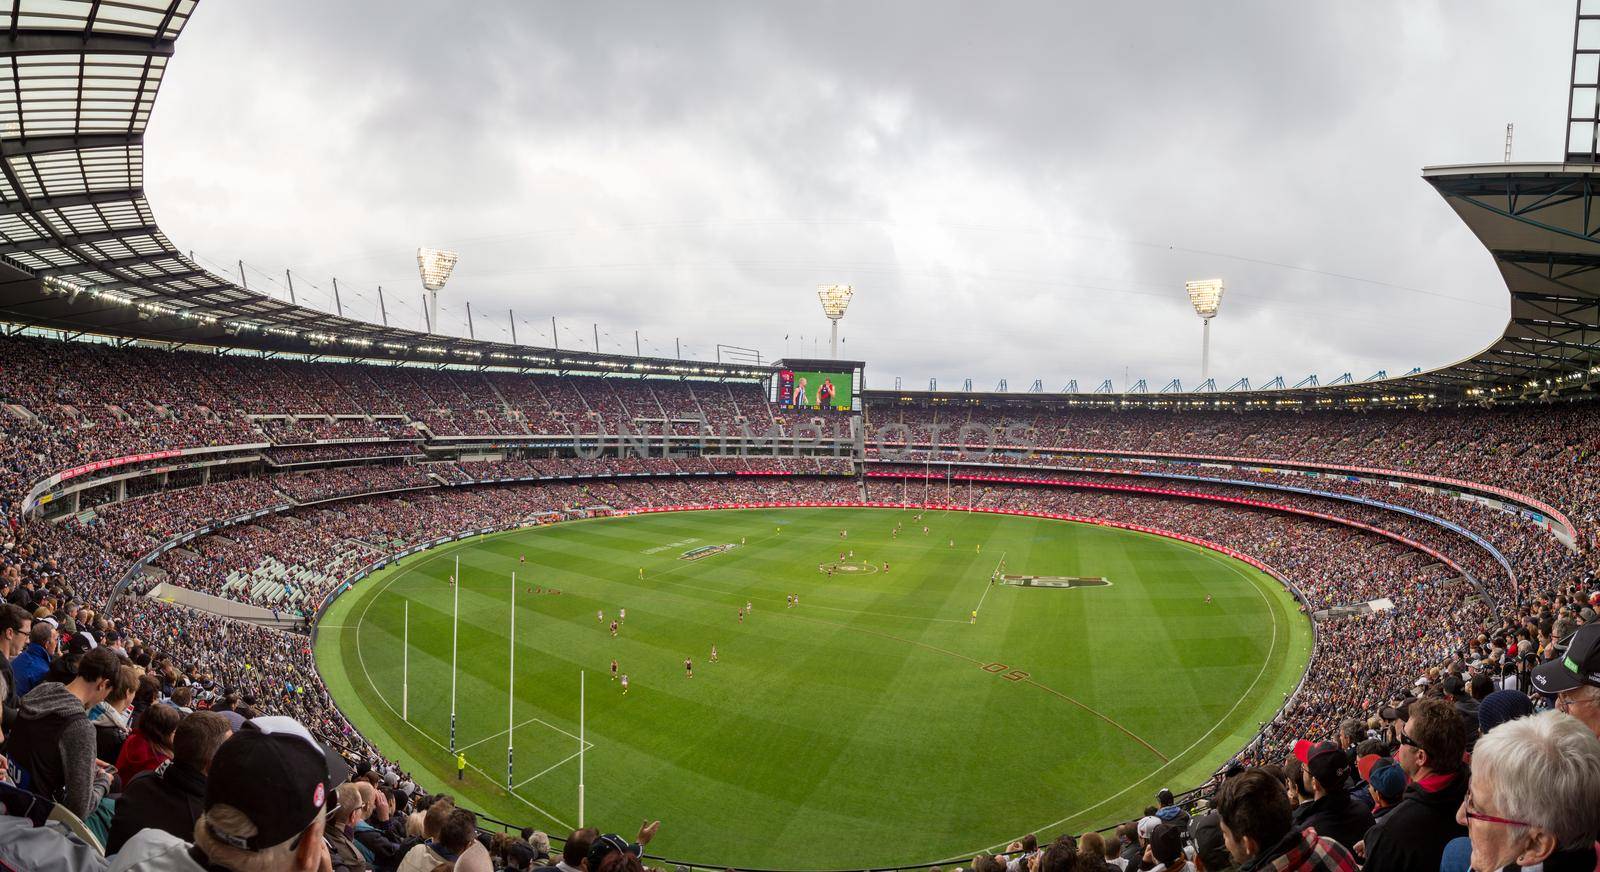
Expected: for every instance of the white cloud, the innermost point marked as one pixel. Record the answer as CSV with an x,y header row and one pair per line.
x,y
1015,194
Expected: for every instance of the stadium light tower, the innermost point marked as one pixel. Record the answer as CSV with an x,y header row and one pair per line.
x,y
1205,295
435,266
835,299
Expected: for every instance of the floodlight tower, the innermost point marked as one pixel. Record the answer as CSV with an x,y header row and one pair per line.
x,y
435,266
835,299
1205,295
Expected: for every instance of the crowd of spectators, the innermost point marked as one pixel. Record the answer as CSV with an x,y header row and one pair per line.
x,y
297,455
289,431
1544,451
1365,765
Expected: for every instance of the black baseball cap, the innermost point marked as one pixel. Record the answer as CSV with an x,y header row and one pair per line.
x,y
1577,662
1399,712
600,847
1166,844
280,777
1209,847
1325,761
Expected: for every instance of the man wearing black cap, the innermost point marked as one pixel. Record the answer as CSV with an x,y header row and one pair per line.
x,y
1331,811
1210,849
1165,851
266,798
1573,677
600,847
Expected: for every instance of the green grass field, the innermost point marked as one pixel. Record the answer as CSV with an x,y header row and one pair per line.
x,y
872,724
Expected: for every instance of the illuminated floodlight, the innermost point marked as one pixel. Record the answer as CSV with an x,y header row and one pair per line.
x,y
435,265
1206,297
835,299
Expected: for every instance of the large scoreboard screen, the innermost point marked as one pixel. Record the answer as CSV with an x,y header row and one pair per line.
x,y
800,389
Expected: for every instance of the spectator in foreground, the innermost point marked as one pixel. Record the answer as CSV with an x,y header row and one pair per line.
x,y
1210,849
1501,706
1386,784
431,852
55,742
1433,741
378,834
111,717
1258,828
1092,848
266,796
150,743
173,797
1331,810
1169,811
15,625
606,844
1574,677
1535,798
30,666
576,849
1165,851
1062,856
1130,851
340,830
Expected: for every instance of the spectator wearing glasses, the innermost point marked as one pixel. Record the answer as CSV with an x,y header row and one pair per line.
x,y
29,667
1535,796
1331,810
1433,741
1574,677
340,830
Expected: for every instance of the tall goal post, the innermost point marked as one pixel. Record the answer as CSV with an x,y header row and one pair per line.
x,y
511,685
580,749
455,621
405,665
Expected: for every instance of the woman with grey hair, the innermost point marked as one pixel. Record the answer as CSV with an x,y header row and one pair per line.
x,y
1535,795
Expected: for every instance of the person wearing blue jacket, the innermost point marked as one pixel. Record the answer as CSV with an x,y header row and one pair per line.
x,y
30,666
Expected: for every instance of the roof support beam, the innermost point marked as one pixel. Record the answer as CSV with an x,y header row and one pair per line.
x,y
54,42
35,145
67,201
81,239
118,264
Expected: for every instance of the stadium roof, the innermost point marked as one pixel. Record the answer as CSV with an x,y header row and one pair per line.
x,y
80,250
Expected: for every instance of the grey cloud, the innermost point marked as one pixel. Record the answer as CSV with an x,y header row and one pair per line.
x,y
1018,190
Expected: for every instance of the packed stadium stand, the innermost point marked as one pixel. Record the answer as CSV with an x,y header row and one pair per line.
x,y
161,426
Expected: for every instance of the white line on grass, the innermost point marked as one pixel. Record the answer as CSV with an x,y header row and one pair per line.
x,y
586,745
361,656
1273,610
991,584
544,770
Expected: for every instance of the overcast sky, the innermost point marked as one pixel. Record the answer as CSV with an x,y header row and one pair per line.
x,y
1016,190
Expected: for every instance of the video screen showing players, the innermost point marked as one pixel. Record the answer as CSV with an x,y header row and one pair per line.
x,y
799,389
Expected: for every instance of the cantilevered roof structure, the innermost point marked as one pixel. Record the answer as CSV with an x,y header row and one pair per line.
x,y
80,249
1540,223
81,252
